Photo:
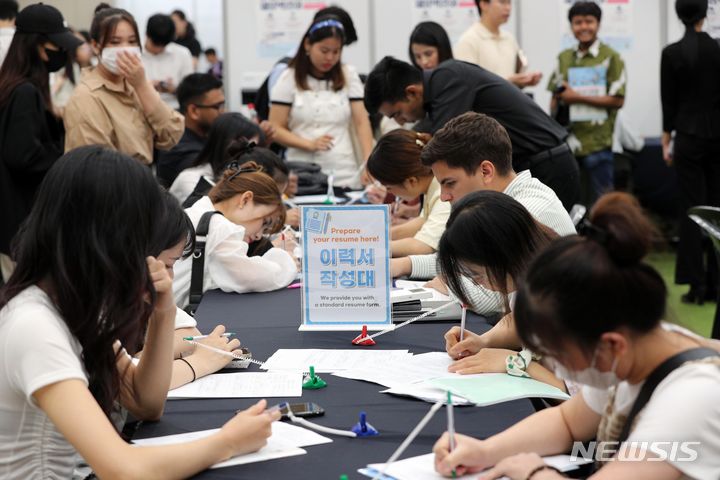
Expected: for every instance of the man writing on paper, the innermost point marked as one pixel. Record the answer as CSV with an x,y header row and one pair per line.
x,y
590,79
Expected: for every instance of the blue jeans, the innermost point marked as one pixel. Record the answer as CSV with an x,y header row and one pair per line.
x,y
600,166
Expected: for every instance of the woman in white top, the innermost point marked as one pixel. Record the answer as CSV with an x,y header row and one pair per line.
x,y
593,308
85,290
250,205
395,163
317,100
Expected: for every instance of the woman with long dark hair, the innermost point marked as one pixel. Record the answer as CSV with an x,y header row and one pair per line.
x,y
429,46
31,134
317,100
690,91
85,294
504,238
211,161
593,309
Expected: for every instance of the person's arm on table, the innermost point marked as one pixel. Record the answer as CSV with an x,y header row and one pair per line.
x,y
548,432
409,246
502,335
202,361
407,229
77,416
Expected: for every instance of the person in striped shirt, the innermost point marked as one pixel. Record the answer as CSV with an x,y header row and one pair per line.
x,y
473,152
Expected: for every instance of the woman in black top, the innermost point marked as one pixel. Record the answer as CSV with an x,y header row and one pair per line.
x,y
690,90
31,135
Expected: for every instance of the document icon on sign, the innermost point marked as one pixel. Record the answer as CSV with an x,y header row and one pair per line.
x,y
317,221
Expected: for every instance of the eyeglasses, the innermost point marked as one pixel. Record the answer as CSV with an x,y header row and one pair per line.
x,y
216,106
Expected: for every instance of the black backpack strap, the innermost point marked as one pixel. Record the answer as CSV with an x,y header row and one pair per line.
x,y
657,376
198,262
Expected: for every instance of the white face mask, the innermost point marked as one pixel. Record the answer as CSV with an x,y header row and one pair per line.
x,y
109,56
591,376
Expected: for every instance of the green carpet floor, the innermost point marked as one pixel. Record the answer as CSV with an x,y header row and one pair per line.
x,y
697,318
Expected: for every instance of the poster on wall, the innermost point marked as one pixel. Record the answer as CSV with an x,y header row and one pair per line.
x,y
281,25
455,16
615,28
712,22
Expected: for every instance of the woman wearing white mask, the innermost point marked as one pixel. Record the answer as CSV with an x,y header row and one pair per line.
x,y
591,306
115,104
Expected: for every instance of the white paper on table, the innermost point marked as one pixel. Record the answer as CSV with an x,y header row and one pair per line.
x,y
425,393
285,441
328,361
242,385
417,368
423,467
316,199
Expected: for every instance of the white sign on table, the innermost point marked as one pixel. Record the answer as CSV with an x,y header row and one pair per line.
x,y
345,267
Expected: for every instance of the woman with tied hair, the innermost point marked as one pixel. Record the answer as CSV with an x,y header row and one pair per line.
x,y
594,309
491,238
250,205
317,101
429,46
115,104
395,163
86,293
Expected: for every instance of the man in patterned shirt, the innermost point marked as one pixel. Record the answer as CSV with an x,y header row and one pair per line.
x,y
590,79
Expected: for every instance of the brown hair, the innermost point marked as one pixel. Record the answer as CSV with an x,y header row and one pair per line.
x,y
396,157
249,177
468,139
105,22
301,62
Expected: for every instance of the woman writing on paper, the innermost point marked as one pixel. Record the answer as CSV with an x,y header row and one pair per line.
x,y
592,307
395,163
249,205
491,238
84,293
317,100
175,240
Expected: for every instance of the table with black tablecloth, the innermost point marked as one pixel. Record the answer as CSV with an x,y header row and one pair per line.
x,y
266,322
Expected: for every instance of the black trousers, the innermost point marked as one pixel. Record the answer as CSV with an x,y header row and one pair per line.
x,y
556,168
697,163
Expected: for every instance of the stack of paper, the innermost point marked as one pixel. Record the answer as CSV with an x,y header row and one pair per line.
x,y
405,377
285,441
242,385
328,361
423,468
417,368
490,388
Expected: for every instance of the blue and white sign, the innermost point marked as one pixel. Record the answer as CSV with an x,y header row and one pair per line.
x,y
345,267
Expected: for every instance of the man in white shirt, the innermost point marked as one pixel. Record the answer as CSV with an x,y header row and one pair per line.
x,y
8,12
166,63
495,50
488,167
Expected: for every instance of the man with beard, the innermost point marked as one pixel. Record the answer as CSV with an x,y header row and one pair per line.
x,y
201,100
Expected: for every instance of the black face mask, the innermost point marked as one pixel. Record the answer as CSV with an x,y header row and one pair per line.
x,y
57,59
